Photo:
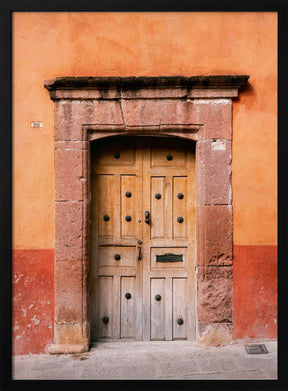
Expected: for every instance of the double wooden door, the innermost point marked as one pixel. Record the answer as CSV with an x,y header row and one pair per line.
x,y
142,239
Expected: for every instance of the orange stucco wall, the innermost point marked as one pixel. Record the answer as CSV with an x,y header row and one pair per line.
x,y
48,45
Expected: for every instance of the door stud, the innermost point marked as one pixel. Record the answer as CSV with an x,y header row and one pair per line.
x,y
128,296
180,321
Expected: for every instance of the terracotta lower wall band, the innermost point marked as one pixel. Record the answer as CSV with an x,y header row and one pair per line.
x,y
33,301
254,298
255,291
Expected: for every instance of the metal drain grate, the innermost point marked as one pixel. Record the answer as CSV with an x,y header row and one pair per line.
x,y
256,349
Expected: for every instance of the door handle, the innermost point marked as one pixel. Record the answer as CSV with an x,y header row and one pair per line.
x,y
147,217
139,253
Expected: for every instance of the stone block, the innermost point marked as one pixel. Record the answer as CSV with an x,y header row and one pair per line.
x,y
71,145
214,334
142,112
68,174
67,349
158,113
214,235
68,292
180,112
212,93
215,294
70,334
71,115
216,115
214,172
69,231
105,112
69,118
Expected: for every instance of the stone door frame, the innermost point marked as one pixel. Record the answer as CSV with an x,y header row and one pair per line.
x,y
197,108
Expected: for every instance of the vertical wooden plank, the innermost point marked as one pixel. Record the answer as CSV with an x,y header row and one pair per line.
x,y
157,207
105,302
168,208
168,309
116,307
127,307
179,207
106,199
157,309
179,308
116,206
128,206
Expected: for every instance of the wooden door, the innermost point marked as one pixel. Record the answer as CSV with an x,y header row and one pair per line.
x,y
142,239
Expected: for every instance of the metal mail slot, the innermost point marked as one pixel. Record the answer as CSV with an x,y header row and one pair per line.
x,y
169,258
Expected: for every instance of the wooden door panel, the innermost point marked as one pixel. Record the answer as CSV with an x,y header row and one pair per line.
x,y
105,309
116,155
179,308
157,299
157,207
169,171
179,207
128,212
128,300
117,257
161,157
108,205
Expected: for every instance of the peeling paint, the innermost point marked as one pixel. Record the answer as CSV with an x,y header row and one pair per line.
x,y
36,321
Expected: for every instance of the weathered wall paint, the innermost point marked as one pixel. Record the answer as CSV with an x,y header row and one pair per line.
x,y
255,292
33,300
48,45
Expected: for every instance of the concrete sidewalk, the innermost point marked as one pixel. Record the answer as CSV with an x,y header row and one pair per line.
x,y
151,360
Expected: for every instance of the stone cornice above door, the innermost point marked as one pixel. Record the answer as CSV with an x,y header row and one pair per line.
x,y
131,87
165,105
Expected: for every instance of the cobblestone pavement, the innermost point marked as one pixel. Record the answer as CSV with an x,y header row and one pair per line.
x,y
151,360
